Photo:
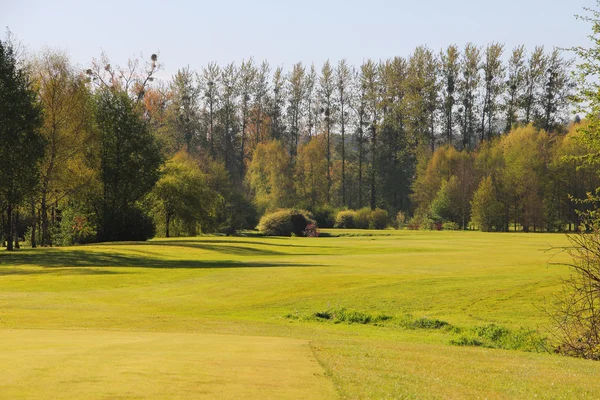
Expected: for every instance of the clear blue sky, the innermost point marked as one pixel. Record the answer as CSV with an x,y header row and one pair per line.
x,y
196,32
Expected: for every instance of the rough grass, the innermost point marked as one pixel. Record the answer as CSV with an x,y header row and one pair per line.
x,y
431,287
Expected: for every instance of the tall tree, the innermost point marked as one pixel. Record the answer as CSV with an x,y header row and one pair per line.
x,y
129,167
210,85
296,88
66,101
493,75
186,110
449,68
246,85
469,83
21,144
343,76
369,79
514,86
557,90
534,75
326,96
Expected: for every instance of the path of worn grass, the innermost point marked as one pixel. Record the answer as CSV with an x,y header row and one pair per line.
x,y
272,286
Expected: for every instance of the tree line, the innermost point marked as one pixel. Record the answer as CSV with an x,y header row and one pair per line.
x,y
112,153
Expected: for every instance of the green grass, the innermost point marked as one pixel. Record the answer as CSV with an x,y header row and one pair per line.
x,y
378,310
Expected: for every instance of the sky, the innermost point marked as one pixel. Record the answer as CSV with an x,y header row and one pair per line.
x,y
194,33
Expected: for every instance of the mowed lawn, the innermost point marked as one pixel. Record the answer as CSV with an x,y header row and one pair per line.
x,y
233,317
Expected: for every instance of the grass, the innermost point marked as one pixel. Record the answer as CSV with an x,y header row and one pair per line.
x,y
389,314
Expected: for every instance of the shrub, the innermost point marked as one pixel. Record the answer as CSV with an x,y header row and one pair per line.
x,y
345,219
400,221
311,230
285,223
450,226
378,219
362,218
325,216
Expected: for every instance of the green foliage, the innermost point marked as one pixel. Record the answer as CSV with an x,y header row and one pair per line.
x,y
345,219
269,178
182,197
341,314
75,228
486,210
445,203
286,222
21,144
409,322
130,161
325,216
362,218
378,219
450,226
400,221
498,337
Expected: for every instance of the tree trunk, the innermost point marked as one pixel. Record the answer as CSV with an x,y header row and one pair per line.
x,y
44,212
16,228
167,223
33,224
9,236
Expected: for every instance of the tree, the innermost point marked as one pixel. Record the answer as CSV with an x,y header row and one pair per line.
x,y
182,196
269,177
67,129
486,211
468,84
343,76
129,167
578,313
514,85
311,173
493,71
246,84
297,89
186,110
21,144
209,84
326,95
449,69
534,75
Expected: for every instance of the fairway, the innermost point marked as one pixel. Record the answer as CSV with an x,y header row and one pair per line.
x,y
108,364
235,317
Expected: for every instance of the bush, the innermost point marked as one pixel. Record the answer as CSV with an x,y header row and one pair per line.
x,y
400,221
362,218
450,226
325,216
285,223
345,219
378,219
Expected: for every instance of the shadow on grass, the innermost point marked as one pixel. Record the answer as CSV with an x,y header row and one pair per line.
x,y
70,259
55,270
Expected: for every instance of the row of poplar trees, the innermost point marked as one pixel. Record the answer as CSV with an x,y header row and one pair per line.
x,y
119,152
370,120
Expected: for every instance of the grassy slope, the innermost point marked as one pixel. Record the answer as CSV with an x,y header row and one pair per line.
x,y
246,286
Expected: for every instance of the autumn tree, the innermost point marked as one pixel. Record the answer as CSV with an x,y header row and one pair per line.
x,y
269,176
311,173
67,130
